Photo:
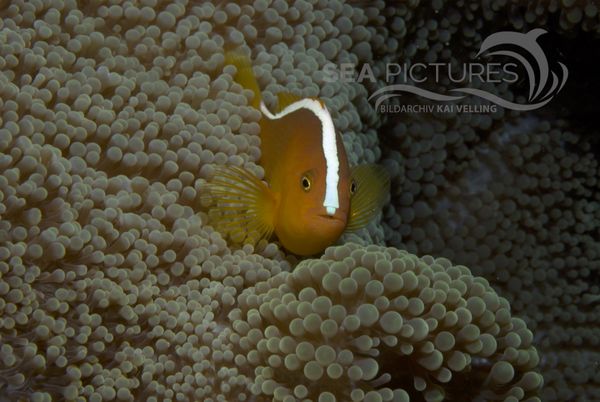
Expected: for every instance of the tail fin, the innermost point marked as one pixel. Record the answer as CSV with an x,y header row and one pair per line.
x,y
245,76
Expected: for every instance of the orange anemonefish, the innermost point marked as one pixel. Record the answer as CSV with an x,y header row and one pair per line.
x,y
311,195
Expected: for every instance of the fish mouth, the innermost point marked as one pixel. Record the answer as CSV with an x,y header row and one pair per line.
x,y
338,217
335,217
330,217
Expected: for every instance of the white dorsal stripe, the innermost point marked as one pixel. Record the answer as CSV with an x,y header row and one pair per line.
x,y
331,200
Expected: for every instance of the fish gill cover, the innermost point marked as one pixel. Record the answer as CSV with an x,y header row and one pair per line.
x,y
114,286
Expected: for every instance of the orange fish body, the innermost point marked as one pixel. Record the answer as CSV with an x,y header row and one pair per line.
x,y
291,154
307,203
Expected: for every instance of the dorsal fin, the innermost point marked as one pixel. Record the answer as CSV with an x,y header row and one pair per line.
x,y
244,76
285,99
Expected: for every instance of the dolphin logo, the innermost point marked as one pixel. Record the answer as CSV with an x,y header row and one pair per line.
x,y
543,82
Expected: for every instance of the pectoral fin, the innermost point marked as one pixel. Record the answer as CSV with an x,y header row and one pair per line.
x,y
372,184
244,206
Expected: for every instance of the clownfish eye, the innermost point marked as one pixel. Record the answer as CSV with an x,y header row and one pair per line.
x,y
352,187
305,182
